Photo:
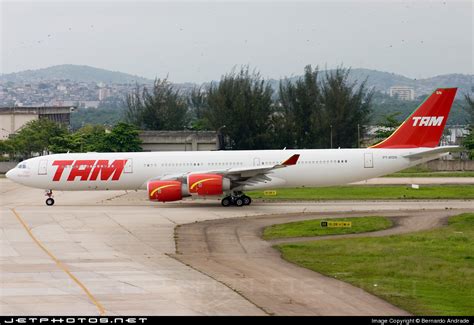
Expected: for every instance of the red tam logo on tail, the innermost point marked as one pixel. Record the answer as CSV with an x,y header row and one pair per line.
x,y
427,120
425,126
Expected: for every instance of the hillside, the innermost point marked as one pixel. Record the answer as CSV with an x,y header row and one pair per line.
x,y
379,80
78,73
382,81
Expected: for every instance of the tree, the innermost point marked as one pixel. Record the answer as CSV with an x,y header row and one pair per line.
x,y
242,101
469,107
37,136
62,144
6,147
90,138
388,125
122,138
347,107
197,104
135,107
468,141
317,112
161,109
108,116
94,138
301,112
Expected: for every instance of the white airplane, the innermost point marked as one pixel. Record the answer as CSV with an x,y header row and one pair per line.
x,y
171,176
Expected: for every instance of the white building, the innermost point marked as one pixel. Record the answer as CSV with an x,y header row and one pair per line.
x,y
454,134
402,92
104,93
13,119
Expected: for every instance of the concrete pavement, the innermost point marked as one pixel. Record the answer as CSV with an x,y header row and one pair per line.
x,y
117,246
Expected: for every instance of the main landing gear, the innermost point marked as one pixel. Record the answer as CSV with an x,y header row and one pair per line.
x,y
239,199
49,200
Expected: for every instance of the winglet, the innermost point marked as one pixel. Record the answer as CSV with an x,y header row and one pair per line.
x,y
291,161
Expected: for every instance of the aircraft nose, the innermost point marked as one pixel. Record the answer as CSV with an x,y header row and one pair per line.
x,y
9,174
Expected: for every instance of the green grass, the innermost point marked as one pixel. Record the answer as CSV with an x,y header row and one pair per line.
x,y
309,228
431,174
424,171
425,273
370,193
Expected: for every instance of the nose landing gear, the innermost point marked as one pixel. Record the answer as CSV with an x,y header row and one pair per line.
x,y
49,200
238,198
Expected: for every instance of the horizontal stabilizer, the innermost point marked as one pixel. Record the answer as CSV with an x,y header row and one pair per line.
x,y
434,151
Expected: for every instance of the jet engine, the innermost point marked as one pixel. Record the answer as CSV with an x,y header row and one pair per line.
x,y
164,191
207,184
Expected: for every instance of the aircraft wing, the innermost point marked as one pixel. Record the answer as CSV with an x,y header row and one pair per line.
x,y
244,175
432,151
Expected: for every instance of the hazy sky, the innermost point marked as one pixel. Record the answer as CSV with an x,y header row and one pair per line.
x,y
200,40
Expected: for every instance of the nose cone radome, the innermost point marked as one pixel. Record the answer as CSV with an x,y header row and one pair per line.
x,y
9,174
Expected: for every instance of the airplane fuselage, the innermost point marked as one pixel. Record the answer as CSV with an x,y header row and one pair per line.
x,y
132,171
170,176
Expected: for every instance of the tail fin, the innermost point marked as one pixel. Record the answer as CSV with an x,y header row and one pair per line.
x,y
425,126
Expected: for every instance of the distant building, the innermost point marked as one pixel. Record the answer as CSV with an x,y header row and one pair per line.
x,y
402,92
454,134
13,119
88,103
76,103
104,93
179,140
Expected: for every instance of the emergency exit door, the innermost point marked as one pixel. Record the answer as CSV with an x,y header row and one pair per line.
x,y
43,167
368,160
128,166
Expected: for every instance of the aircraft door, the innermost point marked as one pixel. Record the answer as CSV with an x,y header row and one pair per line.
x,y
128,166
368,160
256,161
43,167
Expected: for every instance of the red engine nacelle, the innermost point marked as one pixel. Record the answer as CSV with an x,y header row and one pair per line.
x,y
207,184
164,191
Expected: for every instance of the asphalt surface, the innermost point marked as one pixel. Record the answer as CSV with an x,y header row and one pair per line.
x,y
233,252
113,253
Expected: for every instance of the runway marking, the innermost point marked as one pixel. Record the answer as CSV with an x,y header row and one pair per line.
x,y
60,264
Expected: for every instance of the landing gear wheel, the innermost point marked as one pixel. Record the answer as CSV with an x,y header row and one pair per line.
x,y
49,201
239,202
226,201
247,200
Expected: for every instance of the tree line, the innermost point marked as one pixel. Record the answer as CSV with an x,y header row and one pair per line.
x,y
44,136
468,142
319,110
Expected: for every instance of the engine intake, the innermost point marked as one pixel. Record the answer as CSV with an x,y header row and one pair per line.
x,y
164,191
207,184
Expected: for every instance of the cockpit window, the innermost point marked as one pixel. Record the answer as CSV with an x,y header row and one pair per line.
x,y
21,166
